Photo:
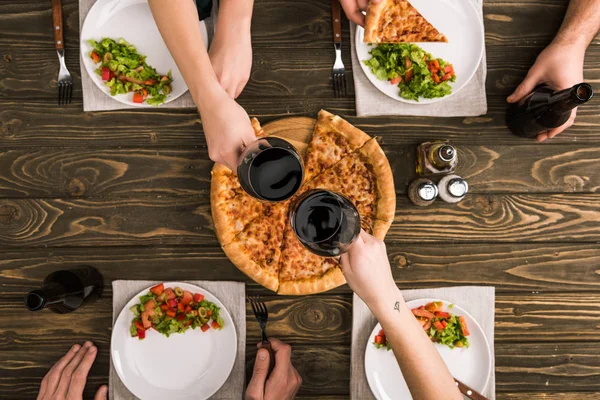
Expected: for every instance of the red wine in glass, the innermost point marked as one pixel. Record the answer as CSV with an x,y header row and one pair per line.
x,y
66,290
325,222
271,169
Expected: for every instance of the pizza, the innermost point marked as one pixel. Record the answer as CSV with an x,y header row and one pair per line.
x,y
257,236
375,202
397,21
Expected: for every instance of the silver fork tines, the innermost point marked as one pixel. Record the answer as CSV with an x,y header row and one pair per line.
x,y
65,81
338,74
261,313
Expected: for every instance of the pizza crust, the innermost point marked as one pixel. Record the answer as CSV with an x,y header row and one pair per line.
x,y
380,228
408,27
331,279
235,253
386,194
374,14
329,122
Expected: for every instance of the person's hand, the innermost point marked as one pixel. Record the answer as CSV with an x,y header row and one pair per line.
x,y
231,57
560,66
66,379
284,381
367,270
227,129
354,10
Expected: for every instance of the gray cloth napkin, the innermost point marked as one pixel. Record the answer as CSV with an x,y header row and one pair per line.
x,y
469,101
231,294
476,300
96,100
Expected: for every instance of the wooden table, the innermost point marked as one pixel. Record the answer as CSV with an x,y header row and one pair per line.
x,y
128,191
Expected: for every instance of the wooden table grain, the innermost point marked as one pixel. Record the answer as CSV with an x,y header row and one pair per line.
x,y
127,192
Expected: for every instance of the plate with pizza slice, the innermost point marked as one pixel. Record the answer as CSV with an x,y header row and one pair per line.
x,y
257,236
420,51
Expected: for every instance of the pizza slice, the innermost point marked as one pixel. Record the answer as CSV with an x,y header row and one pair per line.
x,y
256,250
366,179
232,208
302,272
398,21
332,139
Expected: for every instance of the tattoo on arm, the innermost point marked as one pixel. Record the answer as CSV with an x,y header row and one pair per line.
x,y
397,306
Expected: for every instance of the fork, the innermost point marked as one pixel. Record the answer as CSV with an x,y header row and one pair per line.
x,y
262,316
338,74
65,81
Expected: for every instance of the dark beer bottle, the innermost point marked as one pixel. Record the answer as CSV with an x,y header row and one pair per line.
x,y
545,109
67,290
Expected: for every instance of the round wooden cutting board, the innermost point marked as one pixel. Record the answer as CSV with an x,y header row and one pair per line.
x,y
296,130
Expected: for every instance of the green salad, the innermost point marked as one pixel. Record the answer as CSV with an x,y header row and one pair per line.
x,y
416,72
173,310
441,326
124,70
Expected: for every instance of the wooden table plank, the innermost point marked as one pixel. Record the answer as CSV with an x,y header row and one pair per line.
x,y
319,320
512,268
26,125
81,173
325,369
508,22
187,220
302,72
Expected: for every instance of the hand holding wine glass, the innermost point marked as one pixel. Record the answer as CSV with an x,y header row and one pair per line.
x,y
368,272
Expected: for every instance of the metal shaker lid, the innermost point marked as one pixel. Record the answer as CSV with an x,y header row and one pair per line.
x,y
427,191
447,153
457,187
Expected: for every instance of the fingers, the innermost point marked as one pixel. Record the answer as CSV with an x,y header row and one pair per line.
x,y
526,87
283,359
553,132
256,386
353,12
298,379
102,393
69,370
79,377
276,344
50,381
240,88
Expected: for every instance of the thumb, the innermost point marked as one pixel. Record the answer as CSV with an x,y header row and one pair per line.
x,y
256,386
102,393
526,87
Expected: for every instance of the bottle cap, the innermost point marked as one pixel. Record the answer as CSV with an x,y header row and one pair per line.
x,y
447,153
457,187
427,191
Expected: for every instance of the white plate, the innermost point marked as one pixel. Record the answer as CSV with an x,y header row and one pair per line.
x,y
132,21
193,365
461,24
472,366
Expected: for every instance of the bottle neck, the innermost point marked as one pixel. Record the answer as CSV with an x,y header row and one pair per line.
x,y
47,295
566,100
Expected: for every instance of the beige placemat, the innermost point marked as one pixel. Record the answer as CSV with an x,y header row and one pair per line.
x,y
476,300
469,101
96,100
231,294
